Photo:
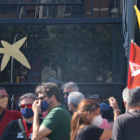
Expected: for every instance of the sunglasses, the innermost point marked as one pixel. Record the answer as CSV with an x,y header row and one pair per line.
x,y
3,96
42,98
26,105
67,93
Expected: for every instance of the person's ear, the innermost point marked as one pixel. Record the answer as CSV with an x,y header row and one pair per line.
x,y
88,115
53,97
124,103
98,111
71,105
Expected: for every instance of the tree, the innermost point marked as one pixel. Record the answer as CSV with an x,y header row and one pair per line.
x,y
82,51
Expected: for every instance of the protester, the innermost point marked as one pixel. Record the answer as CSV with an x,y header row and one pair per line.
x,y
67,88
13,130
85,122
105,125
6,115
114,104
105,113
42,113
56,125
124,95
126,126
74,98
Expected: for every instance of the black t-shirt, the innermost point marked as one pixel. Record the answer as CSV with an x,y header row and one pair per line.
x,y
13,131
127,126
89,133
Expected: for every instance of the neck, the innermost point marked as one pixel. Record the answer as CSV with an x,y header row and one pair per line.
x,y
1,110
30,119
133,109
55,104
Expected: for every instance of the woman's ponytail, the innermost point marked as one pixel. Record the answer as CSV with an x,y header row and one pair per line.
x,y
75,123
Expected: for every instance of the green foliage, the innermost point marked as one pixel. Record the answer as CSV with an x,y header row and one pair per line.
x,y
81,51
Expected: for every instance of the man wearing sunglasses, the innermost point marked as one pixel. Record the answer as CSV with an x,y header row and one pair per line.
x,y
56,125
13,130
67,88
6,115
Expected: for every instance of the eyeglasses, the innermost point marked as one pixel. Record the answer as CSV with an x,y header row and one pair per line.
x,y
67,93
42,98
3,96
26,105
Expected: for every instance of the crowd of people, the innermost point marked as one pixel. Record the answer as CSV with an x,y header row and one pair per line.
x,y
43,116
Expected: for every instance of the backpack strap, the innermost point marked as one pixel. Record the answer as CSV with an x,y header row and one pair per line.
x,y
22,129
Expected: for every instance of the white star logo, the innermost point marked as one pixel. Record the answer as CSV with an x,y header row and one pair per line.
x,y
13,50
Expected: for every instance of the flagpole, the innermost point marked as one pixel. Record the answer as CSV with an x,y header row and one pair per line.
x,y
12,75
131,34
131,25
132,41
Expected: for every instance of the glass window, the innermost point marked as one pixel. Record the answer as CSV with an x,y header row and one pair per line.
x,y
104,8
8,11
117,54
79,53
94,8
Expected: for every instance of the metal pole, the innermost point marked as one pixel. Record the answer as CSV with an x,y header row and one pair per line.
x,y
12,63
131,23
131,31
12,75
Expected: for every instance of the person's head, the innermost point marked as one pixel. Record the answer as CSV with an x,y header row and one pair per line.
x,y
49,94
124,95
25,104
134,98
86,112
74,98
105,111
3,99
69,87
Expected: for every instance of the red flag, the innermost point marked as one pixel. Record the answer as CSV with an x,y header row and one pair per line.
x,y
134,67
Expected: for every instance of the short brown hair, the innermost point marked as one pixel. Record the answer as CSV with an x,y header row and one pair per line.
x,y
50,89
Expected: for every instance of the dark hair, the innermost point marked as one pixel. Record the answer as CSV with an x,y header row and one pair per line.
x,y
134,97
79,118
50,89
106,114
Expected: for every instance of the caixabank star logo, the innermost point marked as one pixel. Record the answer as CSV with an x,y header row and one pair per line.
x,y
13,50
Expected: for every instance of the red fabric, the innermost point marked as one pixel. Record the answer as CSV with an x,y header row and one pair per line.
x,y
134,67
26,129
9,115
